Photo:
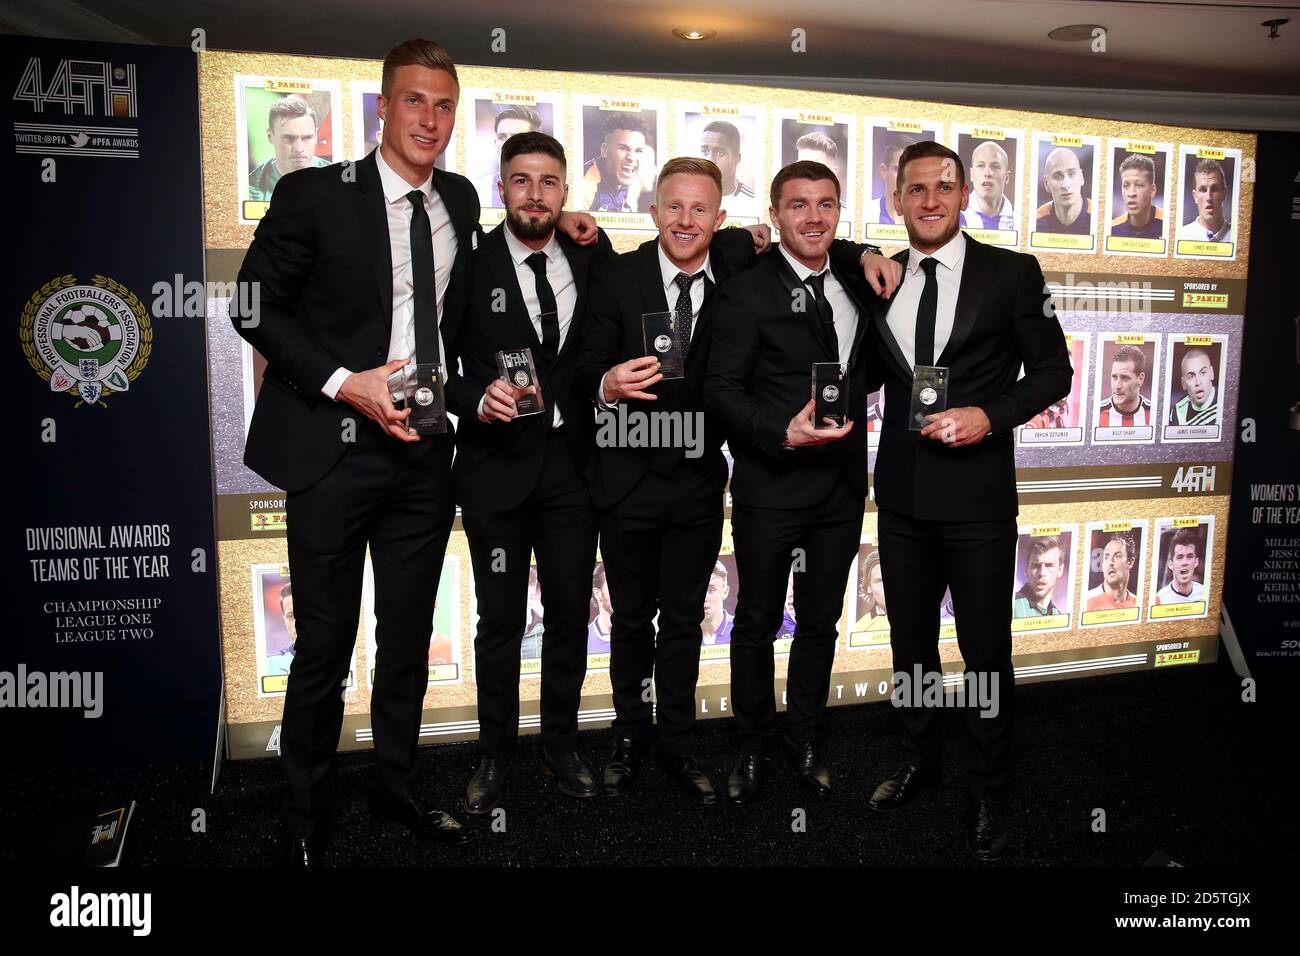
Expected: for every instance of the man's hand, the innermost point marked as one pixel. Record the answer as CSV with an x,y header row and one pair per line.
x,y
802,433
367,392
631,379
762,237
578,226
499,400
883,274
957,427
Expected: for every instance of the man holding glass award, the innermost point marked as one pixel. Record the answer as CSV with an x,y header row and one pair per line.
x,y
518,477
950,350
787,348
361,269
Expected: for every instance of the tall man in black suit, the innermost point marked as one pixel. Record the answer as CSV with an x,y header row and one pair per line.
x,y
519,480
946,494
362,268
799,486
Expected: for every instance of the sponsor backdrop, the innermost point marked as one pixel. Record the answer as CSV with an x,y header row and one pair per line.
x,y
1262,589
1130,459
113,655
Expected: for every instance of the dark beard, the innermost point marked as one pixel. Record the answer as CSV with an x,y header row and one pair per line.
x,y
525,228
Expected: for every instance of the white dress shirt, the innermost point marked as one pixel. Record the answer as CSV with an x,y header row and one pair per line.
x,y
1199,232
902,314
401,339
668,272
842,306
559,275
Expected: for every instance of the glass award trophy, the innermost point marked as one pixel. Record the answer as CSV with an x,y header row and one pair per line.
x,y
830,392
428,405
516,367
929,394
663,341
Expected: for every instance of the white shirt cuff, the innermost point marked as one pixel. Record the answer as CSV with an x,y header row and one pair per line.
x,y
600,395
480,406
332,385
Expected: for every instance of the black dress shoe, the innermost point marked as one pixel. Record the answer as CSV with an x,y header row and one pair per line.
x,y
623,768
899,790
810,768
570,773
689,777
301,853
747,777
487,786
987,833
424,822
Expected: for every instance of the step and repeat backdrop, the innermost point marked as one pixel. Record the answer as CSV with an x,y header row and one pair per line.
x,y
1143,233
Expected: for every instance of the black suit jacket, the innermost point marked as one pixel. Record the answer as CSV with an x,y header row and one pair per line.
x,y
1004,319
760,375
323,263
498,463
622,290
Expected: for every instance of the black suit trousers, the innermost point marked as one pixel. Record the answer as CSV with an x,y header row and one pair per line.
x,y
396,498
823,539
976,559
557,522
659,545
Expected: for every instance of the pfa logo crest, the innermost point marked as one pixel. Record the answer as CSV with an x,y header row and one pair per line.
x,y
90,341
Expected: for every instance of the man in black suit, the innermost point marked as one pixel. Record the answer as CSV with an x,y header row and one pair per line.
x,y
660,507
946,493
799,486
362,267
519,478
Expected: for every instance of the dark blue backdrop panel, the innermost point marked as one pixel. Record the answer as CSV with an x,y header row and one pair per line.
x,y
101,166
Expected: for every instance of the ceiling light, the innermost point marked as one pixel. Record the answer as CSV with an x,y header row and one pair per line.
x,y
1075,32
694,34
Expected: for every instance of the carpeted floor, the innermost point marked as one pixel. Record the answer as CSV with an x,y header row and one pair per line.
x,y
1175,759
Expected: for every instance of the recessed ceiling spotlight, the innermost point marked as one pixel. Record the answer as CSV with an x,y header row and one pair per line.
x,y
1075,32
684,34
1273,26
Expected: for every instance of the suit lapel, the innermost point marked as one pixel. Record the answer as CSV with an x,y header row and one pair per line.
x,y
504,276
786,276
880,316
704,322
864,315
969,297
372,210
579,265
462,217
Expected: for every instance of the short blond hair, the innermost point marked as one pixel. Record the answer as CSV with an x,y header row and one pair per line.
x,y
415,53
689,166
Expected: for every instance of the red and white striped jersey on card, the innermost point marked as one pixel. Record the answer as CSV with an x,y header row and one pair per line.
x,y
1111,417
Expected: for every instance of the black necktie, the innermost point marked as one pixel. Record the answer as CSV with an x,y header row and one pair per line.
x,y
818,285
685,311
925,314
546,302
424,281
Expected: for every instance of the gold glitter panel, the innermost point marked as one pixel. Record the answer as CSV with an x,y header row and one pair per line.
x,y
217,72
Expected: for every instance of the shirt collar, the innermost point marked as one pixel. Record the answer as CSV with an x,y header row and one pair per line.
x,y
801,270
519,252
668,269
949,255
395,187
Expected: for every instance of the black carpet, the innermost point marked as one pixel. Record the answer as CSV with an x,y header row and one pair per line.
x,y
1175,760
